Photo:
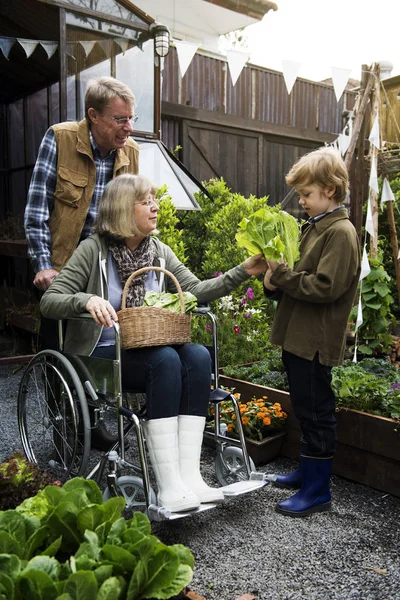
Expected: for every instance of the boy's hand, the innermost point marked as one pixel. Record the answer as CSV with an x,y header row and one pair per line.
x,y
267,281
255,265
273,264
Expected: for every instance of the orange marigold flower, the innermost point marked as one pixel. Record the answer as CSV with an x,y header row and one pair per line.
x,y
267,421
260,415
265,397
229,427
233,416
212,410
245,420
243,409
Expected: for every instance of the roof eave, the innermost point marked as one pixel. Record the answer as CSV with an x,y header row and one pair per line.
x,y
256,9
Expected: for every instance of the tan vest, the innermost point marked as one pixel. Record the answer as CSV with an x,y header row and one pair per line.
x,y
76,178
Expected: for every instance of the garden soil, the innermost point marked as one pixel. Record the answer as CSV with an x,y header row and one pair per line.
x,y
245,547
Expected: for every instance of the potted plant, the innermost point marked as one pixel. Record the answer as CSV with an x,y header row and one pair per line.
x,y
263,426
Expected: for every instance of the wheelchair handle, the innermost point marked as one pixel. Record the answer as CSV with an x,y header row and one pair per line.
x,y
161,270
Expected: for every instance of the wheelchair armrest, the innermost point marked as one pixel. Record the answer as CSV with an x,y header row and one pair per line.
x,y
202,309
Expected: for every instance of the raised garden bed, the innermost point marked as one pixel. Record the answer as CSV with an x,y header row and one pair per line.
x,y
368,448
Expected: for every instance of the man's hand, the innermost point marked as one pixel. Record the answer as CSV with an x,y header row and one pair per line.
x,y
255,265
43,279
101,311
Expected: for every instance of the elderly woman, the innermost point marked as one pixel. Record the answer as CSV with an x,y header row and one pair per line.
x,y
176,378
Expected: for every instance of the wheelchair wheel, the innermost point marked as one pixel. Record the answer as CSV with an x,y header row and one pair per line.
x,y
53,416
230,466
131,488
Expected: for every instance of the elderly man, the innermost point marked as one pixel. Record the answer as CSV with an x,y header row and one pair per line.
x,y
74,164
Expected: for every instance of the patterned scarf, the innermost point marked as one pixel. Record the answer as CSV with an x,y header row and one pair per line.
x,y
127,261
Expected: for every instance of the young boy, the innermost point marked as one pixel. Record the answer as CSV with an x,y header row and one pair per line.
x,y
314,302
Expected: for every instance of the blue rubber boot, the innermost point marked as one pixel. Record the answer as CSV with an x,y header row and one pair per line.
x,y
287,480
314,495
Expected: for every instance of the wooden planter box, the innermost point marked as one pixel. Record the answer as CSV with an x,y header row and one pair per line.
x,y
261,452
368,446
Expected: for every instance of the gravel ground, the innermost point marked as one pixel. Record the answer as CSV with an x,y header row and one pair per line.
x,y
243,546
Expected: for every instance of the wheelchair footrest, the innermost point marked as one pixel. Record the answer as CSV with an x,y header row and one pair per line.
x,y
159,513
243,487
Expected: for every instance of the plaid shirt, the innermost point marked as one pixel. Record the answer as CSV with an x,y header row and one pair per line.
x,y
40,202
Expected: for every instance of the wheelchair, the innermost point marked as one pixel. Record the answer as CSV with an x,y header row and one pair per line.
x,y
58,394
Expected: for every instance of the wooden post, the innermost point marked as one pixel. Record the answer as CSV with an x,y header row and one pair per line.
x,y
358,121
358,189
373,153
393,239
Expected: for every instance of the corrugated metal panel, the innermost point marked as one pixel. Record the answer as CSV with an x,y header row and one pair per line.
x,y
204,83
170,133
271,100
239,97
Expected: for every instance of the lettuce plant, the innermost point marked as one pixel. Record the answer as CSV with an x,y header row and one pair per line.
x,y
65,544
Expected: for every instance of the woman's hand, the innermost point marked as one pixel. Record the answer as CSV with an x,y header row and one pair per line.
x,y
267,281
255,265
101,311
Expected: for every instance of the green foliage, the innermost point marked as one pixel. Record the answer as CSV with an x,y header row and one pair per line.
x,y
373,335
66,544
385,241
269,371
169,225
20,479
372,386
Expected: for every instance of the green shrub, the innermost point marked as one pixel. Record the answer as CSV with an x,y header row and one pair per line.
x,y
20,479
169,225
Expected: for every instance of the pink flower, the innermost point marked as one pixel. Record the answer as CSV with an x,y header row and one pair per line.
x,y
236,329
247,315
217,274
208,327
250,294
243,301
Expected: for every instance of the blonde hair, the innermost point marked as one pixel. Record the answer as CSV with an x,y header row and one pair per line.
x,y
323,167
116,214
101,91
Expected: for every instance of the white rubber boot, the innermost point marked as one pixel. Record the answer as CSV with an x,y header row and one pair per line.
x,y
190,433
162,443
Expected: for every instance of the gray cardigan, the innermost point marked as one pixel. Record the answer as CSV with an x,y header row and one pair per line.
x,y
85,275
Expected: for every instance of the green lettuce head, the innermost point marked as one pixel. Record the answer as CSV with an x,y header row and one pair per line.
x,y
271,232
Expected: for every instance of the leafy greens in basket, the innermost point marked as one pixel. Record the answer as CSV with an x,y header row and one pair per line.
x,y
170,301
271,232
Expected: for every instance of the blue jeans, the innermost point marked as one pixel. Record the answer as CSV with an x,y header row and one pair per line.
x,y
176,379
313,403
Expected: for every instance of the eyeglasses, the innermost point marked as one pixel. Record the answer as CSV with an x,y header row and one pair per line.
x,y
121,121
149,202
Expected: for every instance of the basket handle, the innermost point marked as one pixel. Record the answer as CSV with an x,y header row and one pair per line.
x,y
161,270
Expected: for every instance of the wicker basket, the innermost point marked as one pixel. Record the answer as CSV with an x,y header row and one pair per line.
x,y
149,326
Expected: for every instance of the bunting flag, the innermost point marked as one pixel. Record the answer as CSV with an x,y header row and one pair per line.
x,y
236,61
123,44
106,46
387,193
359,320
373,178
290,70
365,268
369,226
5,45
87,47
29,46
185,51
340,78
374,136
50,48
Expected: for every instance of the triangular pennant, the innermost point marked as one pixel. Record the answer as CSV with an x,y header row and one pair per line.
x,y
106,46
387,193
340,78
122,43
70,50
369,225
29,46
87,47
374,136
355,354
343,142
373,178
365,268
359,320
50,48
185,51
236,61
290,70
5,45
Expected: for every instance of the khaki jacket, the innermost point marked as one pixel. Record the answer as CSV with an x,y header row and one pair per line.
x,y
76,178
85,275
318,294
